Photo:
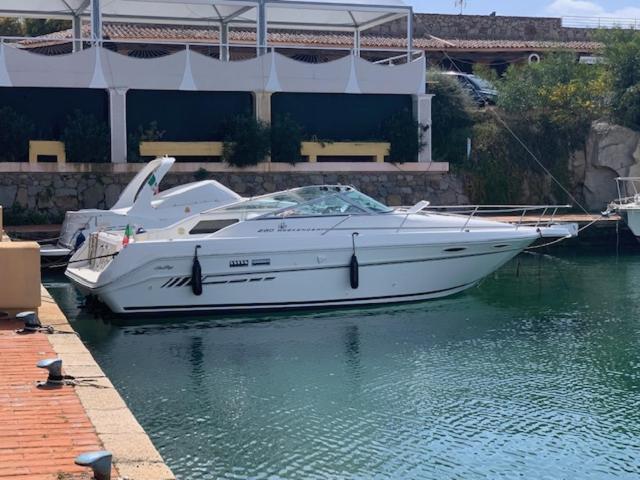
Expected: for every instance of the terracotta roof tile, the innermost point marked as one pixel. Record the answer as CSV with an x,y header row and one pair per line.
x,y
198,34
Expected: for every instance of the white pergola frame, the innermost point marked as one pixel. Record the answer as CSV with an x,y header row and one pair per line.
x,y
350,16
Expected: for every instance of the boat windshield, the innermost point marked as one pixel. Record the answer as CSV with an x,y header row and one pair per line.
x,y
481,83
311,201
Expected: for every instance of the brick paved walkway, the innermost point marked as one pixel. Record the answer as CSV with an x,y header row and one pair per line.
x,y
41,430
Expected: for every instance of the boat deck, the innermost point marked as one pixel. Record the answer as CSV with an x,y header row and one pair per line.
x,y
598,231
604,230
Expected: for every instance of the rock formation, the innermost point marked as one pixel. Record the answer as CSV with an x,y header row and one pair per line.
x,y
612,151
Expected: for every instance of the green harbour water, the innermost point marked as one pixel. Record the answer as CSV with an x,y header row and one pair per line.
x,y
535,373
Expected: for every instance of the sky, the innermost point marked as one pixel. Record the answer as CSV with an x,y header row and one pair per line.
x,y
554,8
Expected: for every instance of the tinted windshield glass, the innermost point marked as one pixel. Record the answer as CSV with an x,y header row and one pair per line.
x,y
481,83
311,201
332,204
368,203
288,198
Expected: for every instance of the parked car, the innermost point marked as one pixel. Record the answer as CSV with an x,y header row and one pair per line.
x,y
482,91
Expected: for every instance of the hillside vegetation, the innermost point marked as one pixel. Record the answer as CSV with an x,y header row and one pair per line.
x,y
544,110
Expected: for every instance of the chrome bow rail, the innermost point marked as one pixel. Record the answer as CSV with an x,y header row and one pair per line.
x,y
627,192
511,216
515,215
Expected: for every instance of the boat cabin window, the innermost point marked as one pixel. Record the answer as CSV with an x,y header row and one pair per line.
x,y
211,226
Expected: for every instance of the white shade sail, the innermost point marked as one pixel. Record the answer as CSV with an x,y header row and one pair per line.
x,y
287,14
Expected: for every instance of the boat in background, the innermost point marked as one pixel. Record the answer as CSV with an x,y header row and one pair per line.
x,y
141,206
309,247
627,205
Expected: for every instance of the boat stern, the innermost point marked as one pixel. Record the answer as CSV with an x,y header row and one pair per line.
x,y
88,266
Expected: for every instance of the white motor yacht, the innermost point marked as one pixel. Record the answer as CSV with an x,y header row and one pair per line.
x,y
627,205
316,246
141,205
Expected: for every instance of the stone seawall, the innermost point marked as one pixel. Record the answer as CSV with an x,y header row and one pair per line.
x,y
485,27
55,193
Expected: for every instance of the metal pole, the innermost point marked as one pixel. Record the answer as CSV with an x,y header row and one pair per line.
x,y
224,41
409,34
96,21
76,23
356,42
261,27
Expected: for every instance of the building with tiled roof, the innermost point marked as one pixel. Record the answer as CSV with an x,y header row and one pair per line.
x,y
451,41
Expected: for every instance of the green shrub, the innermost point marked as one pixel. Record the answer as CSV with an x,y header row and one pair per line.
x,y
627,110
405,136
86,138
286,140
15,132
557,91
201,174
34,27
247,141
150,134
549,107
622,53
11,27
451,118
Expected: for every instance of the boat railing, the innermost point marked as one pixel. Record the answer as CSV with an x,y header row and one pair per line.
x,y
628,191
514,215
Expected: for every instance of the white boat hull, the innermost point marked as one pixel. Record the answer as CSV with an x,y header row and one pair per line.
x,y
305,279
632,219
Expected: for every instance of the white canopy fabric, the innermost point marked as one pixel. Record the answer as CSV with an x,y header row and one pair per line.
x,y
350,15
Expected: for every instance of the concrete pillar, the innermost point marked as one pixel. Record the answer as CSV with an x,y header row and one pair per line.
x,y
262,109
262,106
118,124
422,114
261,28
76,23
224,41
356,42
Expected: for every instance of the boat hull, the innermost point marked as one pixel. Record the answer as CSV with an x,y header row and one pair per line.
x,y
631,217
304,279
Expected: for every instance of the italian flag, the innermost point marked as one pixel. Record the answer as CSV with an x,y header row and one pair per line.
x,y
128,233
153,184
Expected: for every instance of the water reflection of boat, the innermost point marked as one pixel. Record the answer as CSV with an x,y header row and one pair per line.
x,y
141,205
321,246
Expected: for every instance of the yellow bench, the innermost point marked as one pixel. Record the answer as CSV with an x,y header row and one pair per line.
x,y
378,150
187,149
46,147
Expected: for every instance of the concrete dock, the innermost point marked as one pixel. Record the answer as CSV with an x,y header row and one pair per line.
x,y
42,430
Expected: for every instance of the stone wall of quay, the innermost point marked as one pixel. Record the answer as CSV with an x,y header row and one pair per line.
x,y
55,193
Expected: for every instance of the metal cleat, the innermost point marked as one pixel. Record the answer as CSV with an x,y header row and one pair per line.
x,y
100,463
